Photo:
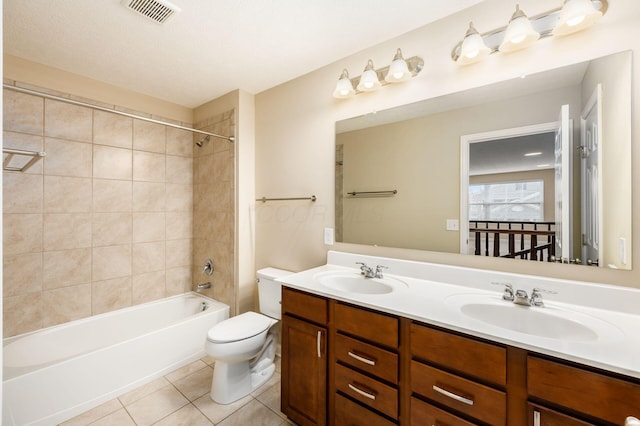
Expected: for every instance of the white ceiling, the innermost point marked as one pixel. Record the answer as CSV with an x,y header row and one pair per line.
x,y
212,46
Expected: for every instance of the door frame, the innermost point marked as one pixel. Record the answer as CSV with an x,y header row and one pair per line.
x,y
465,142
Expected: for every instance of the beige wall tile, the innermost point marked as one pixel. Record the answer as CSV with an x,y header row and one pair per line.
x,y
148,287
180,142
28,143
205,169
22,233
179,252
111,163
179,169
111,262
112,129
148,197
66,304
179,197
68,158
148,227
67,194
22,274
66,268
112,195
21,314
111,229
223,167
64,231
148,166
22,193
179,280
179,225
22,113
149,136
110,295
148,257
66,121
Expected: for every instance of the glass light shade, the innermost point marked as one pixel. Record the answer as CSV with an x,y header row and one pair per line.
x,y
473,48
576,15
369,79
519,33
344,88
398,70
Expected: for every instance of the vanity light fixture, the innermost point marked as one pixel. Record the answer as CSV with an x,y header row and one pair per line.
x,y
371,79
519,33
522,32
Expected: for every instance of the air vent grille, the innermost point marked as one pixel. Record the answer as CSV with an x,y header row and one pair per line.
x,y
159,11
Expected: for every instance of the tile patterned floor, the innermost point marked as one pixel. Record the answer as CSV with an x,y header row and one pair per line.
x,y
182,398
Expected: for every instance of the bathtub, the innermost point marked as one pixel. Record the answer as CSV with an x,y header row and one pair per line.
x,y
56,373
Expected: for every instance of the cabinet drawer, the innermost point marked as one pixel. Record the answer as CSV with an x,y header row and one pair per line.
x,y
423,413
304,305
366,357
541,416
478,359
594,394
478,401
348,413
378,328
369,391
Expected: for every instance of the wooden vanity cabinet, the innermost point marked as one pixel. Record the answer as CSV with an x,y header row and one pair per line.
x,y
463,376
304,357
366,366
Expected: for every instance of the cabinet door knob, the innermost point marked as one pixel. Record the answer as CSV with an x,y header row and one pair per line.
x,y
453,395
361,358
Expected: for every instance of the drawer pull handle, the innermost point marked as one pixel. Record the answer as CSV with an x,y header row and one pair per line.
x,y
361,392
361,358
318,343
453,395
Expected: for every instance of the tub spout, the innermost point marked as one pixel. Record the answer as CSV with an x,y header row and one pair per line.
x,y
204,286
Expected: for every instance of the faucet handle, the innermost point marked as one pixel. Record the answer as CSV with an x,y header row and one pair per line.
x,y
536,298
379,269
508,290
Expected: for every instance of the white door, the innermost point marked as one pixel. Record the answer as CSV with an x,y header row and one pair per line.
x,y
563,191
590,177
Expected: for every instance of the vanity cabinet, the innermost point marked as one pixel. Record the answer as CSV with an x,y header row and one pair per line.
x,y
466,377
304,357
366,367
344,365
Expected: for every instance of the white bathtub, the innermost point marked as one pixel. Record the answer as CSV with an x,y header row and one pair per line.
x,y
56,373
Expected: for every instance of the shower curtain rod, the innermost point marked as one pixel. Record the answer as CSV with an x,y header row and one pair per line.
x,y
126,114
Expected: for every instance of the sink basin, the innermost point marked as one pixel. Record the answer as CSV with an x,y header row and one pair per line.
x,y
353,282
547,322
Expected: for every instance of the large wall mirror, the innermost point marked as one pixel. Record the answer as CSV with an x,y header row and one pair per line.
x,y
535,168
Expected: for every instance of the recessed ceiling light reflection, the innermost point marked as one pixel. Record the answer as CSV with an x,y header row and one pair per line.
x,y
533,154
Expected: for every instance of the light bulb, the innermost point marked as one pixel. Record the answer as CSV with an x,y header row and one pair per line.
x,y
344,88
519,33
398,70
576,15
473,48
369,79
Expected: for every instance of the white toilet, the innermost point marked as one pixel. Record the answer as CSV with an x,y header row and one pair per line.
x,y
243,346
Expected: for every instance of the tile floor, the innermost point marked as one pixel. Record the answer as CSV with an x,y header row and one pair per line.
x,y
182,398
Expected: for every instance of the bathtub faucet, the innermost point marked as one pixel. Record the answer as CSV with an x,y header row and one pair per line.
x,y
204,286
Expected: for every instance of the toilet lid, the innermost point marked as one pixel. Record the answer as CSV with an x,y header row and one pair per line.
x,y
239,327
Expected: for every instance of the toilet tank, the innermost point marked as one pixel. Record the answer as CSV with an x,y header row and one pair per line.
x,y
270,291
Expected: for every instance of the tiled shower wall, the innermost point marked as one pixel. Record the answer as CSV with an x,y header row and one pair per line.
x,y
104,222
214,207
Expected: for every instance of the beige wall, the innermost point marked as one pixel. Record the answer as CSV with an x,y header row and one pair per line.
x,y
295,130
103,222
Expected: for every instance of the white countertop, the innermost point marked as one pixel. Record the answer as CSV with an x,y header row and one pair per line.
x,y
432,290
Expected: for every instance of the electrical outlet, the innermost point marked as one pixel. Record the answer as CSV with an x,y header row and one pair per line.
x,y
453,225
328,236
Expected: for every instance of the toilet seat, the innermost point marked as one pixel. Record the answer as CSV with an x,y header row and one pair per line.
x,y
240,327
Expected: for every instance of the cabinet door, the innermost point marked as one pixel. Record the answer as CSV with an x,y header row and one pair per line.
x,y
540,416
304,371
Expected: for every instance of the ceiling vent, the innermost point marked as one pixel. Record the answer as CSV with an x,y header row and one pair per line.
x,y
159,11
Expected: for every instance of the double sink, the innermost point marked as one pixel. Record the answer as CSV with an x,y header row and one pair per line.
x,y
553,321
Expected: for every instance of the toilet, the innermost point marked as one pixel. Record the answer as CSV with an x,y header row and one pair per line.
x,y
244,346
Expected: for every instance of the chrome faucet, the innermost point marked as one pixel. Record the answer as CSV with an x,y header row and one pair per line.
x,y
368,271
534,300
508,291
